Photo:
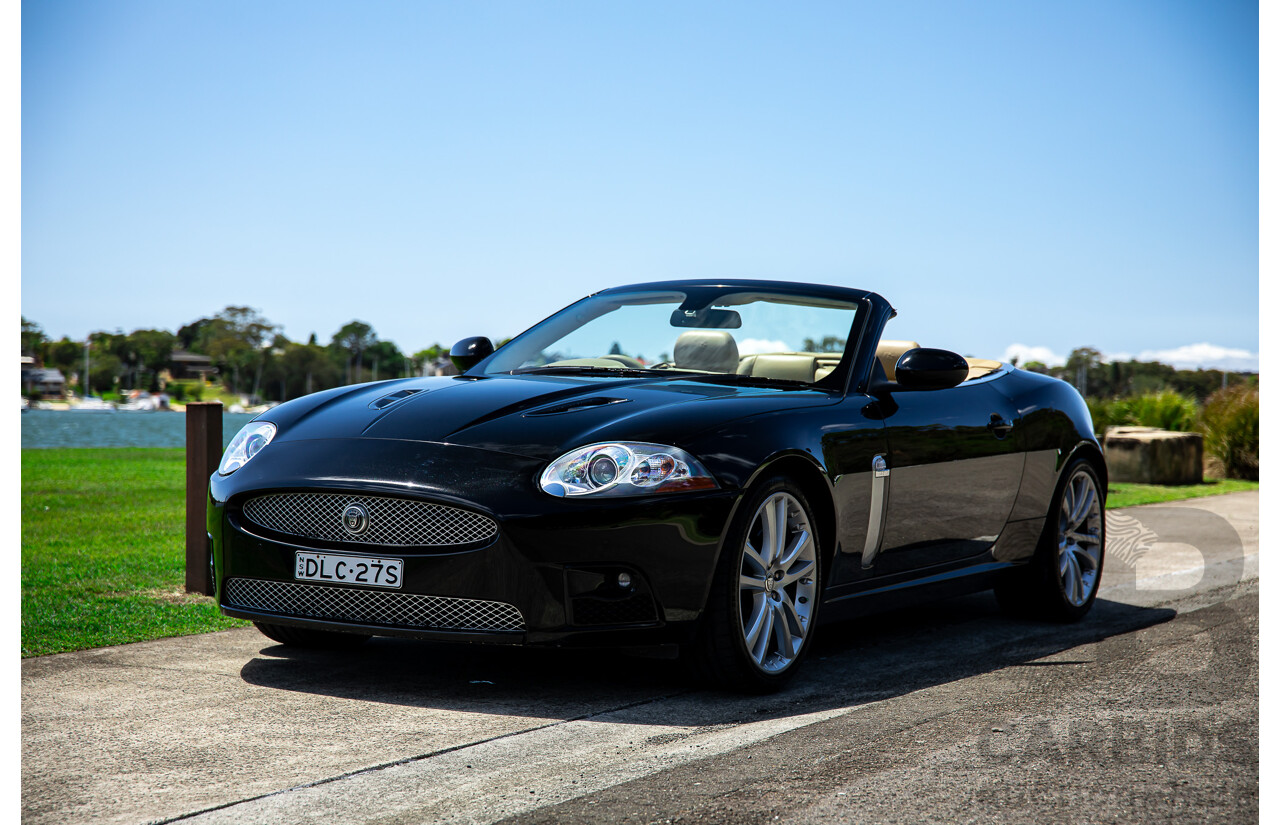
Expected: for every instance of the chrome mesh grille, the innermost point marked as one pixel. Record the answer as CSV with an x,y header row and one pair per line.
x,y
378,607
392,521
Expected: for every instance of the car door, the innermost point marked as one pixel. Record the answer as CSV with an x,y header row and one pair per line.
x,y
952,472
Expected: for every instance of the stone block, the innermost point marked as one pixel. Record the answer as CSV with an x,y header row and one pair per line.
x,y
1148,455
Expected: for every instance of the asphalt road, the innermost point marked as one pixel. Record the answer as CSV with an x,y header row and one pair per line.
x,y
1145,712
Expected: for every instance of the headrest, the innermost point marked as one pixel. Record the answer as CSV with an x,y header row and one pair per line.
x,y
889,352
706,349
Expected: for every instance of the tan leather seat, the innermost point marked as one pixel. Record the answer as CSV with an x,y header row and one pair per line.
x,y
709,350
784,366
889,352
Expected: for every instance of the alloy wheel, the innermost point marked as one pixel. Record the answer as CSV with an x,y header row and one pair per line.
x,y
777,583
1080,538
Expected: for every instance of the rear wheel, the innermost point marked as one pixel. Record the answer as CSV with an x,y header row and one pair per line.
x,y
758,624
1061,582
310,637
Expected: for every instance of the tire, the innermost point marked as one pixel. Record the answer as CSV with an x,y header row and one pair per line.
x,y
760,614
310,638
1061,581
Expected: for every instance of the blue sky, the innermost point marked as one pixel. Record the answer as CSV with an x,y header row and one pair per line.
x,y
1048,175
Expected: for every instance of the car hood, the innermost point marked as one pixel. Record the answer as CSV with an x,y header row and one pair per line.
x,y
537,416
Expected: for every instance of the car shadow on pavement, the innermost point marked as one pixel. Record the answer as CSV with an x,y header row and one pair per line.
x,y
868,659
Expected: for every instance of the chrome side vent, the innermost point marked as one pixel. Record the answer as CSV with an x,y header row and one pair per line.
x,y
577,405
879,503
387,400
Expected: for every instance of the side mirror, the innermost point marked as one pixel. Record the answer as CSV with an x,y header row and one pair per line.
x,y
930,369
470,351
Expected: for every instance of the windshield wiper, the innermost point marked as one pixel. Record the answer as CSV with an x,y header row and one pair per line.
x,y
684,375
568,369
736,378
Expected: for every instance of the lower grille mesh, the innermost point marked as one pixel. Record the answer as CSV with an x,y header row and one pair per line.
x,y
348,604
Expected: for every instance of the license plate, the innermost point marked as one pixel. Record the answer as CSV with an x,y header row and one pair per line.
x,y
331,567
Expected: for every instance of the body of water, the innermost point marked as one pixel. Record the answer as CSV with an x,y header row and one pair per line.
x,y
42,429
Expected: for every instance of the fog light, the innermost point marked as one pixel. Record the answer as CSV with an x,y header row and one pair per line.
x,y
624,580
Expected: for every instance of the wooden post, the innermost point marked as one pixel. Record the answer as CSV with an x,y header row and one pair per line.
x,y
204,451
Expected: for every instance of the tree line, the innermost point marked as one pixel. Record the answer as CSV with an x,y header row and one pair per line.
x,y
1095,378
254,358
251,354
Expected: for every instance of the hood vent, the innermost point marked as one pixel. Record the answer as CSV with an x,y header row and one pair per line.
x,y
577,405
387,400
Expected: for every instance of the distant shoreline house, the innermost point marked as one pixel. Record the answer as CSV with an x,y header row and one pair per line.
x,y
187,365
50,384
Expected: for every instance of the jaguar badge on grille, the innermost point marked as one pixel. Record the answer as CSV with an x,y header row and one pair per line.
x,y
355,519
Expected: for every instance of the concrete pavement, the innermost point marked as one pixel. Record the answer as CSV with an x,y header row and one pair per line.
x,y
1157,725
230,727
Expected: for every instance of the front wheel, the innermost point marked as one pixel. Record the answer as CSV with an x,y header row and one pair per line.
x,y
758,624
1061,582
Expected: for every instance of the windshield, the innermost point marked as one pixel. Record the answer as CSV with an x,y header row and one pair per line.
x,y
746,334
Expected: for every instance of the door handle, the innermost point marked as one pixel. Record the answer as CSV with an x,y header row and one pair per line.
x,y
998,426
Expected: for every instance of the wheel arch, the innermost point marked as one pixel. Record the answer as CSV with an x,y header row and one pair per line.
x,y
812,479
1091,452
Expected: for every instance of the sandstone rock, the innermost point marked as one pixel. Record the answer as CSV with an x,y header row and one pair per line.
x,y
1148,455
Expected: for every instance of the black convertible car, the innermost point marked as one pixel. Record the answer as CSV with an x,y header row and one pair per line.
x,y
714,465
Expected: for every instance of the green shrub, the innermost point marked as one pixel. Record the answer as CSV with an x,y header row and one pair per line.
x,y
1229,422
1165,409
1100,412
185,390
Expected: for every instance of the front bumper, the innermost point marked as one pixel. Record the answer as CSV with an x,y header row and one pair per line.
x,y
553,560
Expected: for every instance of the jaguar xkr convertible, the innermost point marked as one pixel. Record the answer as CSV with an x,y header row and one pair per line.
x,y
714,467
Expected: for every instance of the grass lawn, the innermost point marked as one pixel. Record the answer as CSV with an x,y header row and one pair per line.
x,y
102,546
102,550
1128,495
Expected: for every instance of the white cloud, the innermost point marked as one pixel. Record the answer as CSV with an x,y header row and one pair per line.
x,y
1203,356
1025,354
755,346
1188,357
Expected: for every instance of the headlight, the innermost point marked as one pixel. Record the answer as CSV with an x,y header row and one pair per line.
x,y
252,437
625,469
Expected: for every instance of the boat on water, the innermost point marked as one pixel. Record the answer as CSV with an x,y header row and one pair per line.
x,y
93,404
144,402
